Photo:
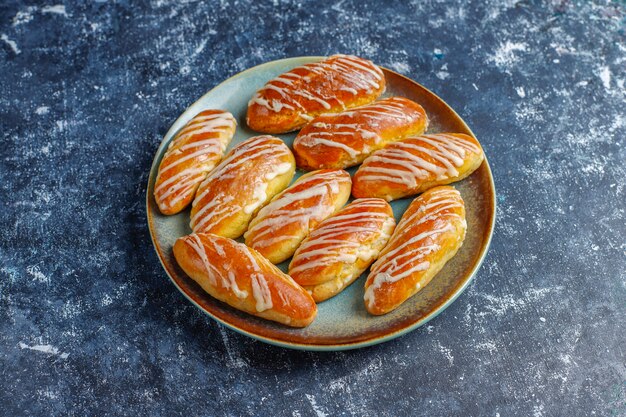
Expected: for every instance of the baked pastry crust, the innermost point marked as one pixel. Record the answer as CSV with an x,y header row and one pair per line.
x,y
243,279
415,164
430,232
251,174
280,226
192,153
342,247
294,98
345,139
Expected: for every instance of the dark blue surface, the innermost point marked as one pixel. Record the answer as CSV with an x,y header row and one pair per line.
x,y
89,322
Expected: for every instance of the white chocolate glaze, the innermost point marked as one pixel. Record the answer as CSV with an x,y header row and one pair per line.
x,y
261,293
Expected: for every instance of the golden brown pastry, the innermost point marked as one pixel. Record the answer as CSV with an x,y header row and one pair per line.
x,y
280,226
430,232
292,99
243,279
192,153
415,164
251,174
342,247
345,139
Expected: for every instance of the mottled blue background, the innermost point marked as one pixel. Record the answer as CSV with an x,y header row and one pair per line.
x,y
89,322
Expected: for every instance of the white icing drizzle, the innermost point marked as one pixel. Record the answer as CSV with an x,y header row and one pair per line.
x,y
394,262
227,281
261,293
250,266
345,73
260,288
319,189
328,244
333,144
207,152
266,149
356,132
259,195
280,169
404,162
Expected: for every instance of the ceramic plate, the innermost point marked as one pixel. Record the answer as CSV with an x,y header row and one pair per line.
x,y
342,322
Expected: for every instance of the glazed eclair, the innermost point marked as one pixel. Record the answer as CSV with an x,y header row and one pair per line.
x,y
294,98
345,139
242,278
280,226
415,164
251,174
430,233
192,153
342,247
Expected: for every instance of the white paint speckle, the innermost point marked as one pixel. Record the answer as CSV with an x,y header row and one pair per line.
x,y
400,66
443,74
234,358
12,44
499,306
489,346
447,352
42,110
49,349
23,16
315,407
605,75
506,55
45,149
61,125
35,272
106,300
200,47
56,9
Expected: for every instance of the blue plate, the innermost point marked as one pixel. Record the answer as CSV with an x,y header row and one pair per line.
x,y
342,322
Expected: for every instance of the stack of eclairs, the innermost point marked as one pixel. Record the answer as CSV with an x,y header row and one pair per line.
x,y
248,192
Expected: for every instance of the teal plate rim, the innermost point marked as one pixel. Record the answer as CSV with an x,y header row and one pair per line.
x,y
325,347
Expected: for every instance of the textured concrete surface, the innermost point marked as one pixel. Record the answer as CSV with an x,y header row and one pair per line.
x,y
89,322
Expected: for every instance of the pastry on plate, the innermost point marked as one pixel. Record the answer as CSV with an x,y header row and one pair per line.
x,y
430,232
415,164
242,278
345,139
294,98
342,247
192,153
251,174
281,225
